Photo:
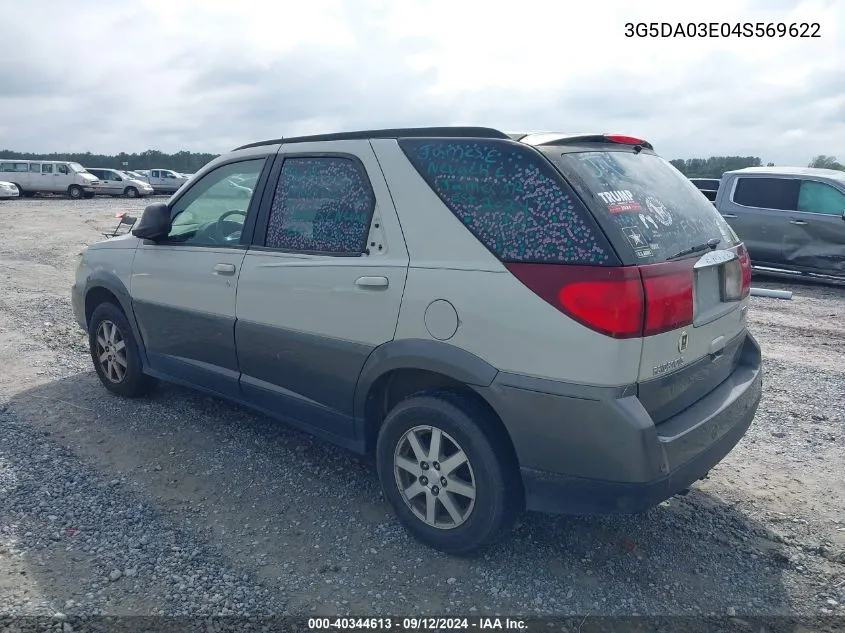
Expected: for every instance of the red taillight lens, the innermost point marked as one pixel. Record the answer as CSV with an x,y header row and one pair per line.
x,y
745,262
669,297
622,302
608,300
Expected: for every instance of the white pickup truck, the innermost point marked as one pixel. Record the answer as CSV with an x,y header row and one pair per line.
x,y
164,180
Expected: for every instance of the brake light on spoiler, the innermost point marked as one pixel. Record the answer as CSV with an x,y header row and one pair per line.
x,y
627,301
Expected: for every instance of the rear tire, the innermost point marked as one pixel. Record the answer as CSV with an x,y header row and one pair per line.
x,y
131,192
459,496
115,353
75,192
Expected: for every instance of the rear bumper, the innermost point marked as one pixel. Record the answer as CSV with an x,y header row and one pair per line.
x,y
601,453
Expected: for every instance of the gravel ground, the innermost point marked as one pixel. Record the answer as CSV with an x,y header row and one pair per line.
x,y
183,504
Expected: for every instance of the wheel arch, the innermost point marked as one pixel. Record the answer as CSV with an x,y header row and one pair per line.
x,y
104,286
399,369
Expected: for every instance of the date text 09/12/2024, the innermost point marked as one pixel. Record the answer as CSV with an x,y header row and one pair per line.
x,y
417,624
723,29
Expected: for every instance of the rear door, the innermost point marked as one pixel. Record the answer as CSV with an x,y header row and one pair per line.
x,y
759,208
659,221
816,241
322,284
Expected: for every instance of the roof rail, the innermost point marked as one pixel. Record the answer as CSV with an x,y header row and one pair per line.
x,y
402,132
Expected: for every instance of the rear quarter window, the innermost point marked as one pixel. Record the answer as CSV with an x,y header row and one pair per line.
x,y
512,199
655,210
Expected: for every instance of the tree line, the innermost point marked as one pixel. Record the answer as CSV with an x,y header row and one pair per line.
x,y
715,166
190,162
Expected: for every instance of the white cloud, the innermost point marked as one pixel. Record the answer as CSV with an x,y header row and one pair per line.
x,y
208,75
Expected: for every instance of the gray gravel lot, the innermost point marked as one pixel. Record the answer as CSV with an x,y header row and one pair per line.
x,y
183,504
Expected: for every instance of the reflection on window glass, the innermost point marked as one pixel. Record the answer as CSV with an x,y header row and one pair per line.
x,y
321,205
817,197
199,214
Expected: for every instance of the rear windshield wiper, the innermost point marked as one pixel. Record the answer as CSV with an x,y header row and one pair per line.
x,y
711,244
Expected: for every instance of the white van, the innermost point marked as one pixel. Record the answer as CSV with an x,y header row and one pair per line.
x,y
114,182
49,176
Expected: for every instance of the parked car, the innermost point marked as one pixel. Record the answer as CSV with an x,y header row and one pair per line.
x,y
49,176
114,182
166,180
708,186
545,321
790,218
8,190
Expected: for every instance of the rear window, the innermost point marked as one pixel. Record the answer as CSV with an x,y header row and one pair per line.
x,y
511,199
655,210
767,193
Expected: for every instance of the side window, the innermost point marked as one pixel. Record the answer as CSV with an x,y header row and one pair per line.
x,y
62,169
96,173
21,167
767,193
35,168
817,197
47,168
7,167
512,199
322,204
212,212
154,173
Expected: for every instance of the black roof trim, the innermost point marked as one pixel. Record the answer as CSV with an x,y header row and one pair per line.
x,y
407,132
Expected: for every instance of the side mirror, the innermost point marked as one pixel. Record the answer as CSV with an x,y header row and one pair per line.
x,y
154,223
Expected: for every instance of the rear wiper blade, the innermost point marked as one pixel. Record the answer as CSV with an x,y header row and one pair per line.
x,y
712,243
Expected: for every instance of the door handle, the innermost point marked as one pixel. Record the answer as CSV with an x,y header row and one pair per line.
x,y
224,269
728,215
798,222
372,282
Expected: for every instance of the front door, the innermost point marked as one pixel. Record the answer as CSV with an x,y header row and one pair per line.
x,y
322,286
63,177
183,288
109,182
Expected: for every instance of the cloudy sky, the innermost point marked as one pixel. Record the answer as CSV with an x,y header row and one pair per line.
x,y
207,75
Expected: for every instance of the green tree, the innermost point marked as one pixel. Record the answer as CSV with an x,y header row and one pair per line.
x,y
826,162
714,166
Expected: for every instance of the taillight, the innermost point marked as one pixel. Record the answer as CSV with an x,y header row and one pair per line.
x,y
621,302
745,263
668,291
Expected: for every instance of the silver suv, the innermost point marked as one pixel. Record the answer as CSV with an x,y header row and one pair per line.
x,y
538,321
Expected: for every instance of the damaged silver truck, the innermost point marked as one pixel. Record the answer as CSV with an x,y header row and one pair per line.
x,y
790,218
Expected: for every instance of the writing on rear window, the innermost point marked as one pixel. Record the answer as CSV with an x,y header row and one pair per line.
x,y
658,211
510,198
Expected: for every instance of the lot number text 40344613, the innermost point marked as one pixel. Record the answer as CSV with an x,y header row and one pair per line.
x,y
723,29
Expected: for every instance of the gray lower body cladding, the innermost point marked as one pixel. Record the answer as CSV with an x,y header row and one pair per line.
x,y
584,452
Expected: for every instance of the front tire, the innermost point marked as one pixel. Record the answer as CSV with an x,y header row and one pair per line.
x,y
115,353
445,469
75,193
131,192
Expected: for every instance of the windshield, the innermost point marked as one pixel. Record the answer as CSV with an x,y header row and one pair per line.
x,y
656,210
79,169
